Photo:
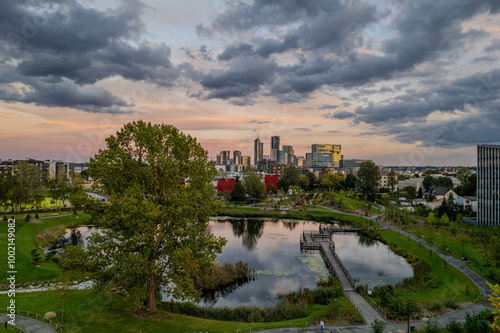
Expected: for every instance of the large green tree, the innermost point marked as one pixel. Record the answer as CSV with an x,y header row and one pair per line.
x,y
154,226
59,189
238,193
253,183
368,179
289,177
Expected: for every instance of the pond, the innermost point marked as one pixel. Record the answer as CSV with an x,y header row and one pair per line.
x,y
271,247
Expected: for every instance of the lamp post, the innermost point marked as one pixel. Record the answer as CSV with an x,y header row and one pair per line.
x,y
408,304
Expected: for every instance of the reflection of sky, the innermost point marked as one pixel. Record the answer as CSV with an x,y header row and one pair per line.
x,y
276,257
364,262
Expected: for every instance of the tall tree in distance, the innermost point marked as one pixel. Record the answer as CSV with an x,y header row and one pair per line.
x,y
24,186
368,179
154,226
253,183
290,177
393,179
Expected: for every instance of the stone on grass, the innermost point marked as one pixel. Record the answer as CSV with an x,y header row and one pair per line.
x,y
50,315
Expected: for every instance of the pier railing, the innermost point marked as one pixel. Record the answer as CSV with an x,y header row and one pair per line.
x,y
351,280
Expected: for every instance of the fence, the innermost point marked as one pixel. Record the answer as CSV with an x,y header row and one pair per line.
x,y
56,326
377,307
351,280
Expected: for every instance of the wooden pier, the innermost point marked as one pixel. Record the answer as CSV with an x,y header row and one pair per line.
x,y
321,241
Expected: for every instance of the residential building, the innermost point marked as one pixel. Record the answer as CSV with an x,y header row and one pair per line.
x,y
440,192
258,149
417,183
488,185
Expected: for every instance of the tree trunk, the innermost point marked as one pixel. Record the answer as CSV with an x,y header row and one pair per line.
x,y
151,295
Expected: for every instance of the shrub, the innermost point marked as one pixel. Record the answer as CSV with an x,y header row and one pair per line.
x,y
435,307
48,236
378,326
451,304
27,218
454,327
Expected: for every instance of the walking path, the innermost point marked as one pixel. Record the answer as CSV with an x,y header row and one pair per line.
x,y
28,325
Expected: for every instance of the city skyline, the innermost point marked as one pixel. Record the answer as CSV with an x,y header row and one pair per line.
x,y
413,84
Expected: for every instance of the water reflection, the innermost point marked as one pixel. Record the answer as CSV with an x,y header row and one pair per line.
x,y
250,230
370,262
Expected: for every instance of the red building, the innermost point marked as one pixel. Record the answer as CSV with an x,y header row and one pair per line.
x,y
271,179
225,184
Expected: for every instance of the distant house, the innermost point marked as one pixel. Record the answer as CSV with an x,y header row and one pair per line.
x,y
470,201
440,192
419,201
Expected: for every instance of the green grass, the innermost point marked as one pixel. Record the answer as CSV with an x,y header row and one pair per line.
x,y
88,312
353,204
44,204
311,207
324,216
477,260
25,242
452,283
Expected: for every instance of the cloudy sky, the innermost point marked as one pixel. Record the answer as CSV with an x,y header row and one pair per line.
x,y
401,82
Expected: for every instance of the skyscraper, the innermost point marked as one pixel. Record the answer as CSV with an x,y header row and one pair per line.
x,y
258,149
275,148
488,185
225,156
237,157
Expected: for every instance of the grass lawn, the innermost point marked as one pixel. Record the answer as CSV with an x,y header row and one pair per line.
x,y
88,312
25,242
452,283
477,260
353,204
44,204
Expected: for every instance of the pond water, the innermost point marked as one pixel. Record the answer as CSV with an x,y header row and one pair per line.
x,y
272,249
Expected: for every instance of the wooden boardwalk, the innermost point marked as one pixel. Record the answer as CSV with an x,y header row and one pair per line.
x,y
321,240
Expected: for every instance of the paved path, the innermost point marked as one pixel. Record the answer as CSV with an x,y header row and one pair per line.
x,y
28,325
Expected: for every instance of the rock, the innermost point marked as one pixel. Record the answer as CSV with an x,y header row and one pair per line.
x,y
425,319
50,315
75,282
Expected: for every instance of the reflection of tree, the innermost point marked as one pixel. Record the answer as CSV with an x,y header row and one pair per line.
x,y
366,241
250,230
210,297
290,225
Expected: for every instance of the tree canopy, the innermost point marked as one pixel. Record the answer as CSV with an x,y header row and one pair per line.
x,y
368,179
252,181
290,177
154,225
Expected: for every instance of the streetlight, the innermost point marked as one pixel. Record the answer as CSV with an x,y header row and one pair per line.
x,y
408,316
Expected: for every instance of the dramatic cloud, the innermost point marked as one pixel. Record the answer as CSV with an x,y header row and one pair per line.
x,y
329,35
59,50
327,107
341,114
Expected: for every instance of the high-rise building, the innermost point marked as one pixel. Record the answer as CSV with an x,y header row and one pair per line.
x,y
352,164
258,151
275,148
225,156
488,185
288,149
237,157
246,160
335,150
